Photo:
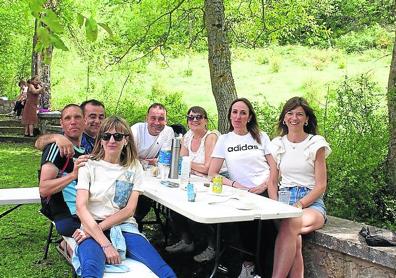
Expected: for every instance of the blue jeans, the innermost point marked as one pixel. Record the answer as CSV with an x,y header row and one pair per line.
x,y
67,226
298,192
92,257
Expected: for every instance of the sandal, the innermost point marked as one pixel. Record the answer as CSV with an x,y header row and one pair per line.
x,y
62,248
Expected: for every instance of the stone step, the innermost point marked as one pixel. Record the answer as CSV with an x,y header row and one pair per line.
x,y
11,122
17,139
11,130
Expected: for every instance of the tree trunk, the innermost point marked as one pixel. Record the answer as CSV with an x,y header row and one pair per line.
x,y
219,59
391,97
42,68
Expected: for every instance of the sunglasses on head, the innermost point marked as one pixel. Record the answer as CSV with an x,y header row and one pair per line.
x,y
195,117
117,136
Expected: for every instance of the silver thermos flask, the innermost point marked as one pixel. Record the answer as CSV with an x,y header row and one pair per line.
x,y
174,169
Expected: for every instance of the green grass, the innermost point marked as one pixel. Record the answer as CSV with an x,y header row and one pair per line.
x,y
23,232
277,72
19,165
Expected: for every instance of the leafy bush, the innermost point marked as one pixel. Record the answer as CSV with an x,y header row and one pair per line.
x,y
371,37
356,127
267,115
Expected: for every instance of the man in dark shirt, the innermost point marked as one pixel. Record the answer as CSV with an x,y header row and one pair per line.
x,y
94,114
58,174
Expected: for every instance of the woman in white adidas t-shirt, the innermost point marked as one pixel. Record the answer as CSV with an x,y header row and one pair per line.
x,y
245,149
300,156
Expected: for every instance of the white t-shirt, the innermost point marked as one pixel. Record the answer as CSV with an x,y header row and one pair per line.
x,y
296,161
245,158
148,146
110,186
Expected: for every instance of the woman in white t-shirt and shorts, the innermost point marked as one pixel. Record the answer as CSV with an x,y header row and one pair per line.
x,y
300,155
245,149
108,189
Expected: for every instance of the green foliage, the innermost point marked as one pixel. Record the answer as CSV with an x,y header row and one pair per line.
x,y
371,37
267,115
356,127
15,45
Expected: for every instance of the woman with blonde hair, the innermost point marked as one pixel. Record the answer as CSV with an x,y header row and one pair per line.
x,y
108,189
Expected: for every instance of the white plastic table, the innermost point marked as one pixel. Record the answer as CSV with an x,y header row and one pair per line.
x,y
18,197
233,205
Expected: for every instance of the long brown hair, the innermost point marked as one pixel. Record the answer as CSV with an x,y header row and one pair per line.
x,y
252,125
128,155
294,102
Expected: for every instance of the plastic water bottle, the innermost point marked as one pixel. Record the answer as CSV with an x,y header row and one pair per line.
x,y
164,161
185,171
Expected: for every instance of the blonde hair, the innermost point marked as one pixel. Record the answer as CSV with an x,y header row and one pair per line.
x,y
128,155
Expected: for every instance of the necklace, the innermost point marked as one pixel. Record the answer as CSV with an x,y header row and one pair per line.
x,y
293,145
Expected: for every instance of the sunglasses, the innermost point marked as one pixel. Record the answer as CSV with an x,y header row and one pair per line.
x,y
117,136
195,117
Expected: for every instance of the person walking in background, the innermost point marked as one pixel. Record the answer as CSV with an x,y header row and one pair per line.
x,y
245,149
20,101
197,144
29,115
107,194
300,156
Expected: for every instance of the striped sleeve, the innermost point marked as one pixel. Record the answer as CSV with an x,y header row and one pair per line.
x,y
51,154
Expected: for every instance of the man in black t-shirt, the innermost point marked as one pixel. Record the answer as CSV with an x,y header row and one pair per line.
x,y
59,174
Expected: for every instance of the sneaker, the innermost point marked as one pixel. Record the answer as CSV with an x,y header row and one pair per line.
x,y
206,255
247,271
180,246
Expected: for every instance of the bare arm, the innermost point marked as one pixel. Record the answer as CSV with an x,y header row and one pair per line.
x,y
34,90
183,149
65,145
50,184
272,181
203,168
268,183
320,179
214,169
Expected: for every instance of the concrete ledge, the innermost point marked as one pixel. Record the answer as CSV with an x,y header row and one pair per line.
x,y
337,250
49,122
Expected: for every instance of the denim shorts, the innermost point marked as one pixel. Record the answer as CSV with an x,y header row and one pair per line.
x,y
298,192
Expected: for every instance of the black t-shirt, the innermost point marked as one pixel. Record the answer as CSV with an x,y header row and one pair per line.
x,y
59,208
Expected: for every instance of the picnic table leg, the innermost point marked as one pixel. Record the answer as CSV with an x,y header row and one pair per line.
x,y
217,251
49,239
258,246
9,210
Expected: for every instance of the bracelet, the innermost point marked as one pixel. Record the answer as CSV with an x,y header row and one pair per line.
x,y
299,205
232,184
105,246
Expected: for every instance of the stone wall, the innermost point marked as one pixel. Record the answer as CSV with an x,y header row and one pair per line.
x,y
338,251
6,106
49,122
